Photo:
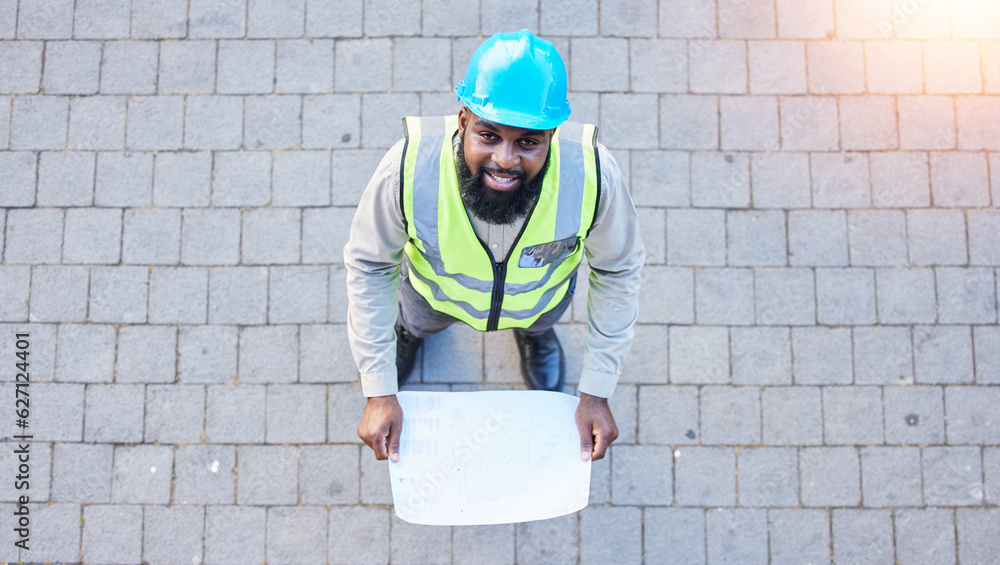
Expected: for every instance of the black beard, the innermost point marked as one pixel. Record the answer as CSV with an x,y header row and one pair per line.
x,y
495,206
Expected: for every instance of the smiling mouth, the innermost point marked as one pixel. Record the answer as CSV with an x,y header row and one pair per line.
x,y
500,181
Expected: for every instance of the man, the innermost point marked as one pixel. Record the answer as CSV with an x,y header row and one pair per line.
x,y
483,218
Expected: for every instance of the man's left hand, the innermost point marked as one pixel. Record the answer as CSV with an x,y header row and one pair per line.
x,y
597,426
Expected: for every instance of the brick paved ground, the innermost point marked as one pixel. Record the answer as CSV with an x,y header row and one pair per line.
x,y
816,370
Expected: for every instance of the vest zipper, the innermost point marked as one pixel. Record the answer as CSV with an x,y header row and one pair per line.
x,y
496,304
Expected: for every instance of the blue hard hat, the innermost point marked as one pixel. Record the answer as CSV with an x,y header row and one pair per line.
x,y
516,79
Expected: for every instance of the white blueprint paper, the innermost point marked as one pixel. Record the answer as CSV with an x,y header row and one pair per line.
x,y
491,457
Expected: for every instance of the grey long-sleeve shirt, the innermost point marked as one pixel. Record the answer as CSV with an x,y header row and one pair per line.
x,y
372,256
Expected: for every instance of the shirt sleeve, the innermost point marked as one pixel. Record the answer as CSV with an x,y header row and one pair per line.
x,y
371,259
615,254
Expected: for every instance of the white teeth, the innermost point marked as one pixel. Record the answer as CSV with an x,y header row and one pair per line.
x,y
502,181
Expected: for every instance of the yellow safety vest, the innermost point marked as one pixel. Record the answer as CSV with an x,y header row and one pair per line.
x,y
452,268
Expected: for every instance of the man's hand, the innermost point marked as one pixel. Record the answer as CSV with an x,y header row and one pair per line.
x,y
597,426
381,425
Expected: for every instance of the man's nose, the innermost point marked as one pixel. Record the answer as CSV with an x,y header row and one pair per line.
x,y
505,156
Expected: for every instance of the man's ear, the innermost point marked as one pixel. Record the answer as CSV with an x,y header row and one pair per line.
x,y
463,118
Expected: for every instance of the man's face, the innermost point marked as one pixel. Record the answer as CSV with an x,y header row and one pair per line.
x,y
500,167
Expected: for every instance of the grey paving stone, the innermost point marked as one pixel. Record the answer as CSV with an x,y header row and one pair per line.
x,y
473,544
338,295
899,179
304,66
777,67
213,122
102,19
245,67
387,18
768,476
660,178
953,476
925,535
72,67
205,474
66,178
718,67
646,361
43,349
621,523
112,534
210,237
235,414
213,20
972,415
799,536
340,18
301,178
730,415
984,243
7,31
114,414
241,178
830,476
276,19
324,354
352,526
761,355
268,474
906,296
45,19
809,123
862,536
937,237
124,179
174,413
749,123
297,294
57,411
81,472
160,19
841,180
296,535
696,237
600,481
142,474
784,296
926,122
34,236
624,19
976,124
15,283
668,415
5,108
975,539
549,541
987,350
756,238
268,354
345,408
720,180
363,65
54,533
18,175
271,235
207,354
146,354
890,476
296,414
380,113
689,122
674,535
178,295
868,123
86,353
699,355
688,18
235,534
272,122
351,169
617,110
991,474
942,354
877,237
736,535
641,475
39,122
780,180
330,121
374,480
656,65
893,67
959,179
130,67
155,123
151,237
883,355
183,179
792,416
724,296
172,534
421,64
237,295
330,474
21,69
852,415
966,296
325,232
412,543
58,294
456,353
845,296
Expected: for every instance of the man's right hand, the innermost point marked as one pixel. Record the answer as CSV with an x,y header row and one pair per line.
x,y
381,425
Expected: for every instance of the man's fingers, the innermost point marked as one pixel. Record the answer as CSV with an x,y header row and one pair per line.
x,y
586,441
394,433
601,445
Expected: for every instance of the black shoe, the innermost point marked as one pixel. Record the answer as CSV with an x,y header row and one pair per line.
x,y
542,361
406,352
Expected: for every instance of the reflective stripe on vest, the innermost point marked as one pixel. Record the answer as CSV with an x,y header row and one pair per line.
x,y
452,269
